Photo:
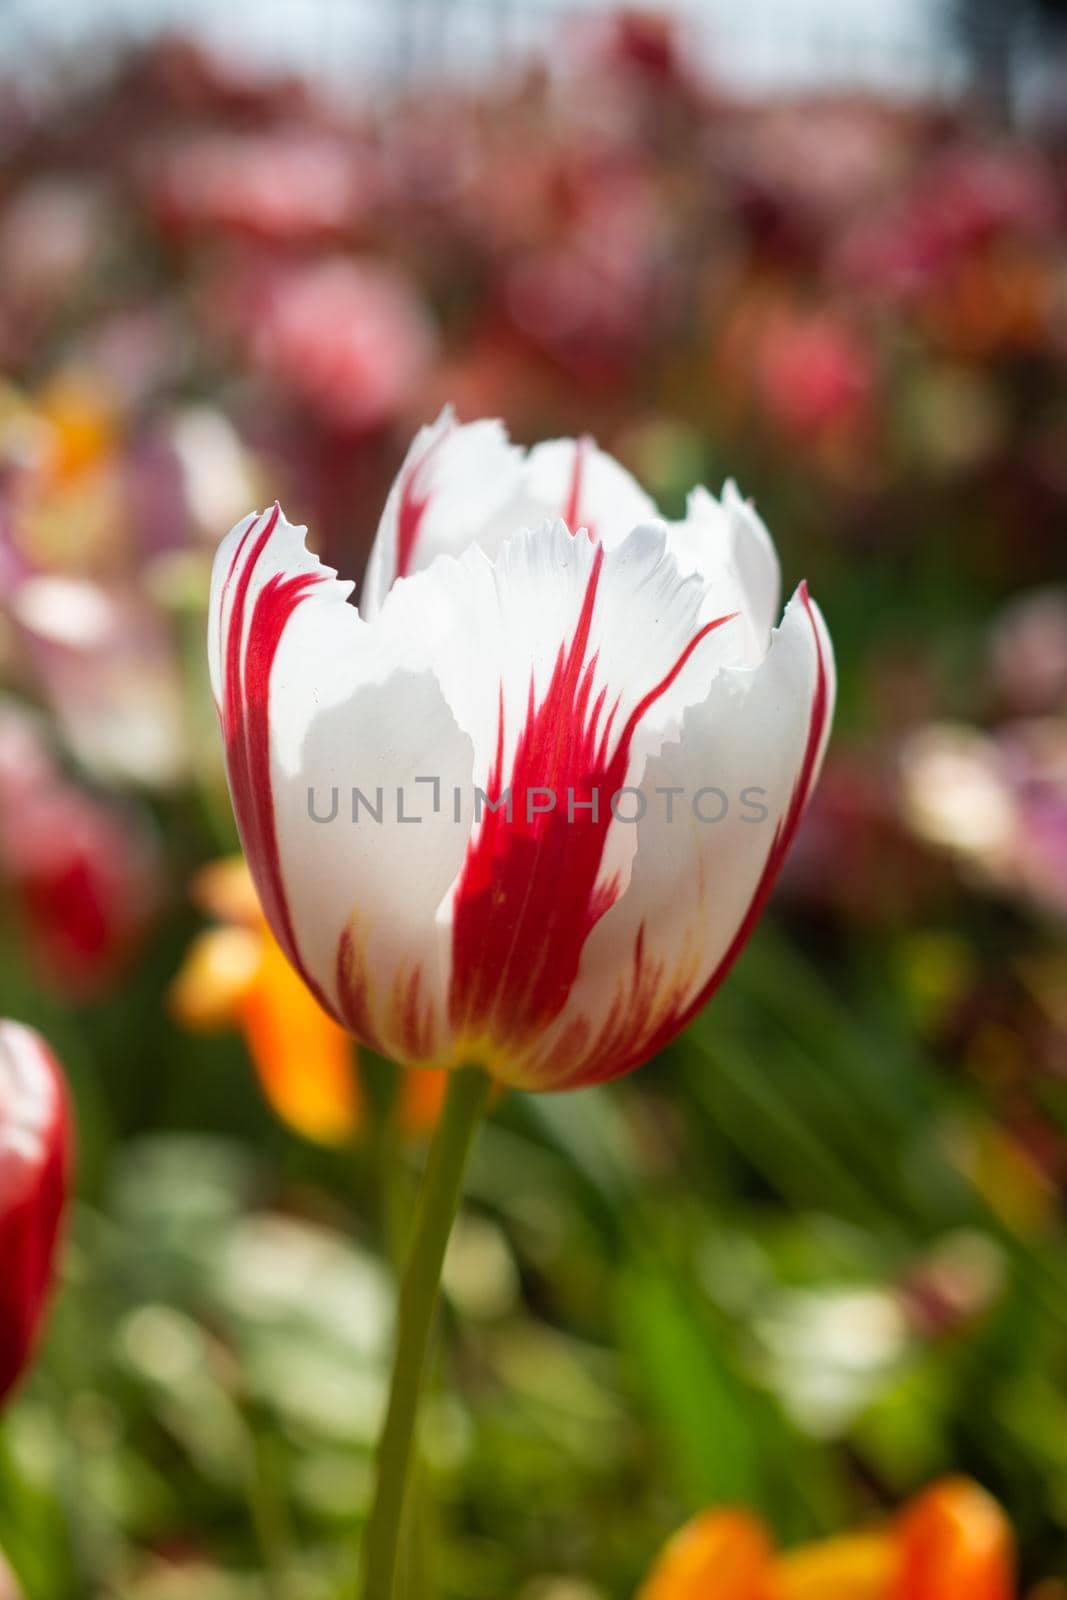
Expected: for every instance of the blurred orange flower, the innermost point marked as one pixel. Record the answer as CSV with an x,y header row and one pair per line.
x,y
235,974
952,1542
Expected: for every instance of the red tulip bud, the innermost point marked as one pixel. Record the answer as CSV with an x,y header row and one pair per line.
x,y
34,1168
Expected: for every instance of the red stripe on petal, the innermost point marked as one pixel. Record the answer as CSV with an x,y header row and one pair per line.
x,y
407,1028
414,498
353,988
529,893
251,644
678,1015
572,509
650,1007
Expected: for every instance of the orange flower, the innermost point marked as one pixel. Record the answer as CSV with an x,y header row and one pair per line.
x,y
951,1543
954,1540
727,1547
851,1567
236,974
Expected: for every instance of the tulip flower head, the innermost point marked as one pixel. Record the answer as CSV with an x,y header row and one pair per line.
x,y
34,1167
524,805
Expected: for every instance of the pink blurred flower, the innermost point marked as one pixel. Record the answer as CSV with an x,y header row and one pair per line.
x,y
51,232
1029,653
597,292
102,657
814,374
854,857
285,184
997,802
812,163
351,339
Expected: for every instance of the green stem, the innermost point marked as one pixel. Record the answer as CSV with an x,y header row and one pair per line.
x,y
438,1203
266,1511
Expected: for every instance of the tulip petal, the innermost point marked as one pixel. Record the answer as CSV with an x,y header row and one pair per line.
x,y
219,967
955,1544
455,481
304,1060
585,645
586,488
464,485
318,707
420,1100
550,661
34,1165
721,1555
262,575
706,860
727,543
849,1567
469,485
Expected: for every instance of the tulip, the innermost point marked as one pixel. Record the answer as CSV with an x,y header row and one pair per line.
x,y
34,1169
517,814
951,1543
567,944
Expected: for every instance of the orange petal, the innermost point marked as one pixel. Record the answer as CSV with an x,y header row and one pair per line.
x,y
306,1063
955,1544
219,969
83,421
722,1555
854,1567
420,1096
224,889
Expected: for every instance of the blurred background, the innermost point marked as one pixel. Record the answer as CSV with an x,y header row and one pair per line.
x,y
816,1255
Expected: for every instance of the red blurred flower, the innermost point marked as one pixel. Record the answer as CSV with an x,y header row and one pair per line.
x,y
34,1172
596,293
82,871
971,245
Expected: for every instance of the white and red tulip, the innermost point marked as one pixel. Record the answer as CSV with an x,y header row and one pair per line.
x,y
527,623
34,1171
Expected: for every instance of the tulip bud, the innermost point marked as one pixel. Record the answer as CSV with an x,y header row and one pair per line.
x,y
34,1170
